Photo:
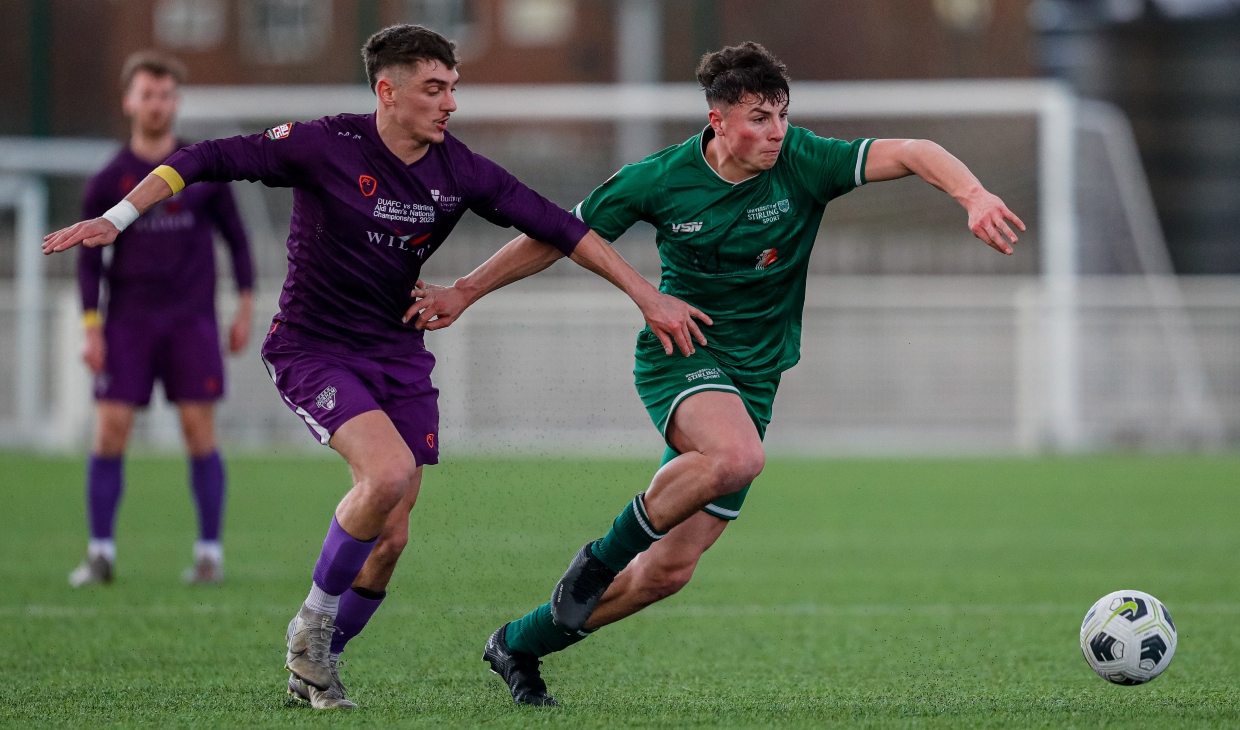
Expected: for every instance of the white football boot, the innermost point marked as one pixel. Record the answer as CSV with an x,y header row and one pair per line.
x,y
332,698
309,648
94,569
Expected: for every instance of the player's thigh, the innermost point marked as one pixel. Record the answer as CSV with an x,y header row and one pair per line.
x,y
189,361
129,362
713,422
376,452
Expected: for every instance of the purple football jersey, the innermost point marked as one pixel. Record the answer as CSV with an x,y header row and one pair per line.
x,y
163,264
363,221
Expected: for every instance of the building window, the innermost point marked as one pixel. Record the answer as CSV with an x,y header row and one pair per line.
x,y
532,23
285,31
191,25
457,20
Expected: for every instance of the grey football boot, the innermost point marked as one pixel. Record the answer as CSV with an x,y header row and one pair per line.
x,y
97,569
309,647
332,698
204,571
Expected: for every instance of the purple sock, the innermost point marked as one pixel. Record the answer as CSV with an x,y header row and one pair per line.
x,y
104,485
355,611
341,560
208,485
206,479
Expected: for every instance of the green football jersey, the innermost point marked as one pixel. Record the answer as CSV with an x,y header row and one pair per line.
x,y
737,251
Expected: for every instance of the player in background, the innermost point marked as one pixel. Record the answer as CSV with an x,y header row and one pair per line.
x,y
374,196
160,322
737,209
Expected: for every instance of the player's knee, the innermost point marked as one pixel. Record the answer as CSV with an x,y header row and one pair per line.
x,y
385,486
735,468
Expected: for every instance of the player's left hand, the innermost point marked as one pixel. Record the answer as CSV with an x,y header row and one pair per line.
x,y
671,320
988,220
435,306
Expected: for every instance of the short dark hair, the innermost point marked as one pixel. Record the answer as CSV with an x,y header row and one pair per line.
x,y
736,73
405,45
156,63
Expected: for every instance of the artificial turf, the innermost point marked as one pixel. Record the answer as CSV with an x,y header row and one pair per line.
x,y
908,593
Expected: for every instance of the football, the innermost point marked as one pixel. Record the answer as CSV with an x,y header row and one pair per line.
x,y
1128,637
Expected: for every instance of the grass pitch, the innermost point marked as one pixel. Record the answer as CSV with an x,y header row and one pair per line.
x,y
851,593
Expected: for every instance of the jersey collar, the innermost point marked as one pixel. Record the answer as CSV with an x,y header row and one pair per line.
x,y
703,139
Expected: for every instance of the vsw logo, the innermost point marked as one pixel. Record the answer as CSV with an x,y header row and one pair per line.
x,y
693,227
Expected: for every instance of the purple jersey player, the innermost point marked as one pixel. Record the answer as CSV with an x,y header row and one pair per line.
x,y
374,196
160,285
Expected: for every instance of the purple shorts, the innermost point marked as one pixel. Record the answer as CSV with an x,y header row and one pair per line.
x,y
183,353
327,389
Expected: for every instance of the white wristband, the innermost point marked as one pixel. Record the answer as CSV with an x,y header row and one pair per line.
x,y
121,215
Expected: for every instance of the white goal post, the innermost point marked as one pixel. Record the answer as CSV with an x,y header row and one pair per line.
x,y
1048,416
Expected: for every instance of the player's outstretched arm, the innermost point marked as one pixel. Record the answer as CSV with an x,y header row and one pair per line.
x,y
890,159
669,318
103,230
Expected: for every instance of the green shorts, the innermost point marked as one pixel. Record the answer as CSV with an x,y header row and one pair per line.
x,y
664,381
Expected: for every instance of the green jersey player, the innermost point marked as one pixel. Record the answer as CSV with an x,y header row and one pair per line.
x,y
736,208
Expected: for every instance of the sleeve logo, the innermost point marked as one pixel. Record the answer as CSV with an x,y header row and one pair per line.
x,y
692,227
279,132
368,185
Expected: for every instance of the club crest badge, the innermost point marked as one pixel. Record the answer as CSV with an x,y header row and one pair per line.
x,y
368,185
783,206
327,399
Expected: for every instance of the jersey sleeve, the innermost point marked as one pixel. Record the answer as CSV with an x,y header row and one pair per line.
x,y
828,167
95,202
617,204
228,223
281,157
505,201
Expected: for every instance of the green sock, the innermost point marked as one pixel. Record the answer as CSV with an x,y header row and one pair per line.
x,y
538,634
630,535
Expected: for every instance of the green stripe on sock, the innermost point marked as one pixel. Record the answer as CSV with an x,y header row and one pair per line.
x,y
627,537
538,634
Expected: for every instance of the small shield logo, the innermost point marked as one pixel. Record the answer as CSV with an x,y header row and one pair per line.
x,y
368,185
327,399
430,440
783,205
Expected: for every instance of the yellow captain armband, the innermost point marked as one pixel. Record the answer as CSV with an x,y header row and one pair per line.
x,y
170,176
91,318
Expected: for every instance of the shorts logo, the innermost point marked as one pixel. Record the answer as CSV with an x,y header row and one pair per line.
x,y
279,132
430,440
368,185
704,374
766,258
692,227
327,399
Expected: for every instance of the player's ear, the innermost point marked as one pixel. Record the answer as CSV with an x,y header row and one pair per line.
x,y
717,121
385,90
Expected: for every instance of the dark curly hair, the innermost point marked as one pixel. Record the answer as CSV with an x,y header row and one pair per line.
x,y
405,45
736,73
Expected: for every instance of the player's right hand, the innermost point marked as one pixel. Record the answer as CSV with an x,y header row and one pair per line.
x,y
91,233
671,320
94,351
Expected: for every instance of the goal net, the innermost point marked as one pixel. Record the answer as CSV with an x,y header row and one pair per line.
x,y
917,337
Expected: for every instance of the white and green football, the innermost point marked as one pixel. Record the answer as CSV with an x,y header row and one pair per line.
x,y
1128,637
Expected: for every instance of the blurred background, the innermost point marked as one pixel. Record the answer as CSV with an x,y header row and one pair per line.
x,y
1112,127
